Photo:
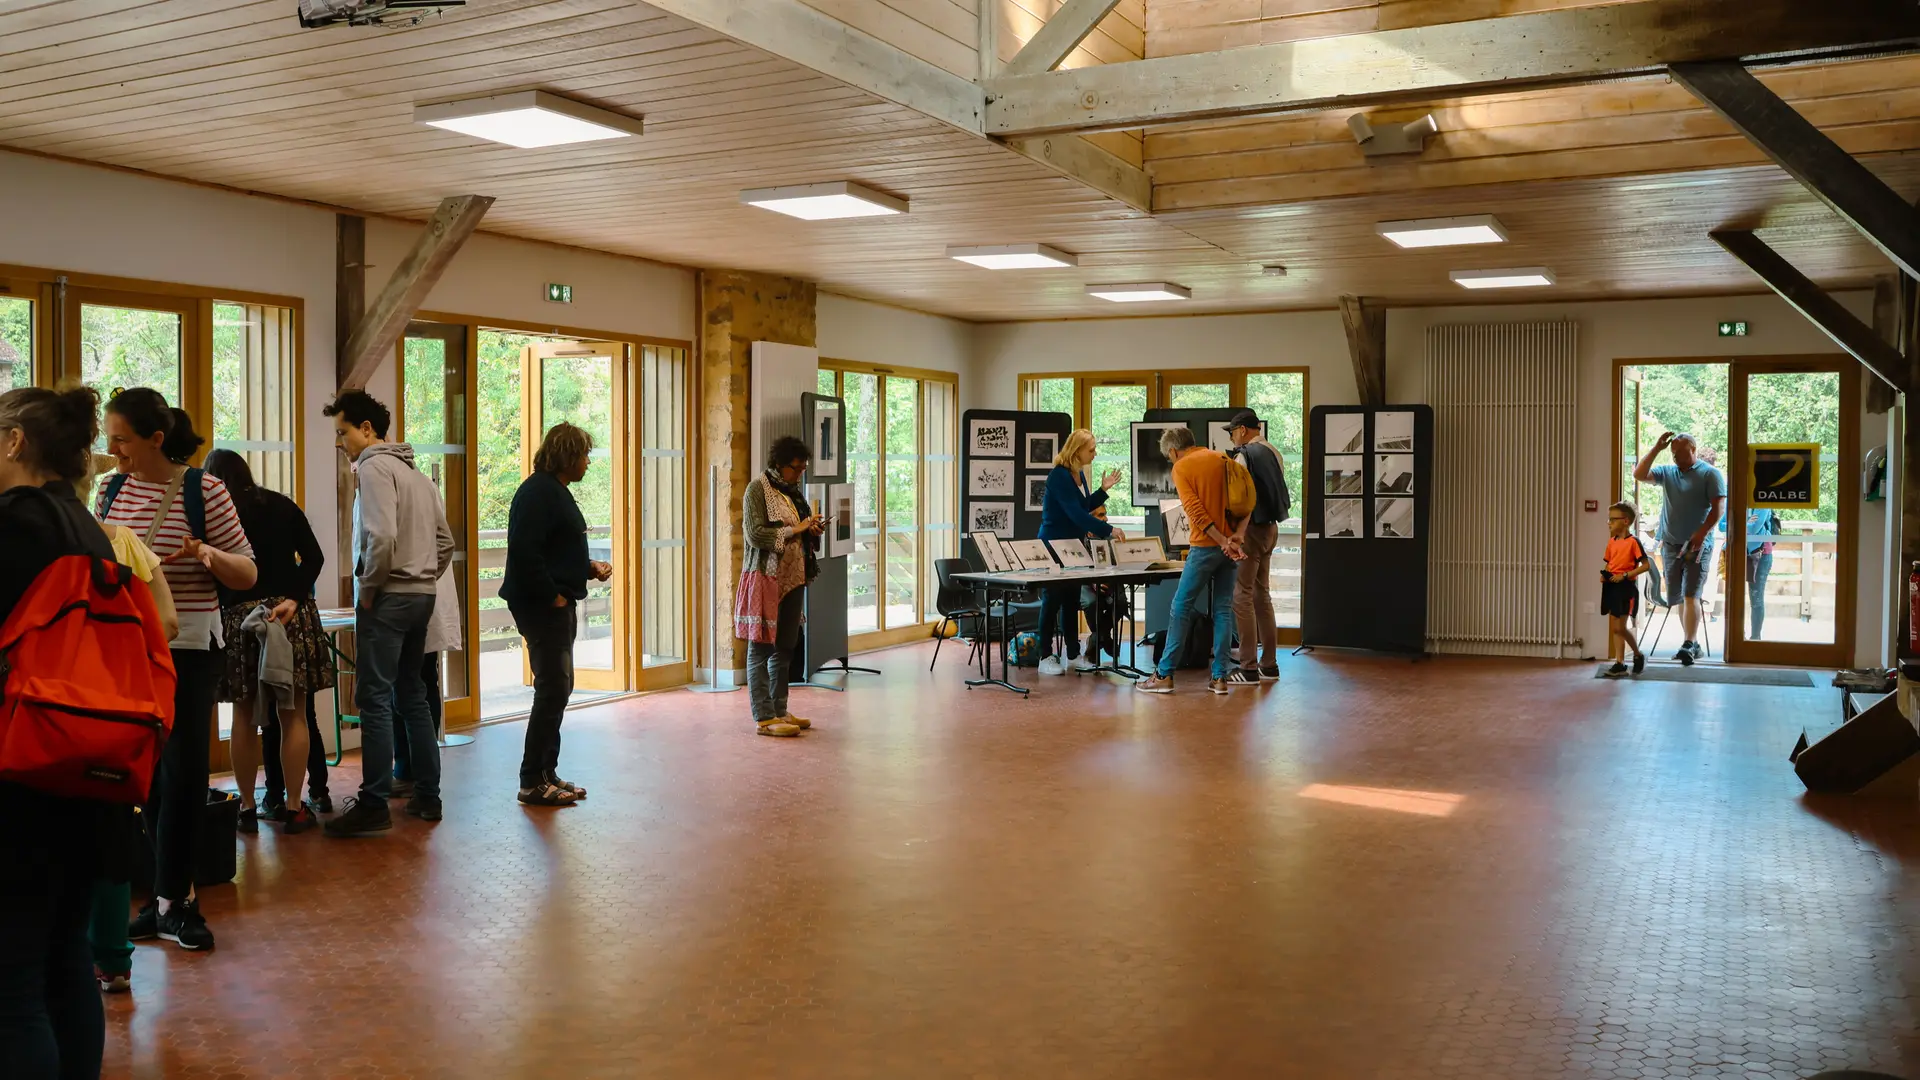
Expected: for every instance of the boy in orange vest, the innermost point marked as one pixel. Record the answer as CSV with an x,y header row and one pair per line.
x,y
1626,560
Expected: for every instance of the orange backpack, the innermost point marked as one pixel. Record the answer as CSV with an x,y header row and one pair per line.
x,y
1241,495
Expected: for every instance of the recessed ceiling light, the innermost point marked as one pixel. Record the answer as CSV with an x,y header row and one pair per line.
x,y
1443,232
529,119
1140,291
822,202
1014,256
1516,277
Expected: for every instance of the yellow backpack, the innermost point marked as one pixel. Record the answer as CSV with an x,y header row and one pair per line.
x,y
1241,495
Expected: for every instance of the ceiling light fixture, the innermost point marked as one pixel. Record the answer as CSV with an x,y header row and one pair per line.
x,y
824,202
529,120
1443,232
1014,256
1140,292
1516,277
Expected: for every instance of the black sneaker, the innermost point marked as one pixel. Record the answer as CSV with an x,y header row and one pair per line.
x,y
183,926
1243,677
1685,655
273,810
146,925
424,807
1270,673
321,803
249,821
363,817
547,794
301,821
1697,651
1639,662
402,789
1617,671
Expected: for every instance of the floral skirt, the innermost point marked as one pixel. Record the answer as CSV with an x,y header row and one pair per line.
x,y
240,670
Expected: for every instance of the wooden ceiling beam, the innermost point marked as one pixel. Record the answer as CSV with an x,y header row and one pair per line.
x,y
1059,36
1843,326
1562,47
1810,156
1367,347
374,338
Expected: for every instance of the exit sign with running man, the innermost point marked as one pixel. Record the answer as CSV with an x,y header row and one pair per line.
x,y
1733,329
1785,475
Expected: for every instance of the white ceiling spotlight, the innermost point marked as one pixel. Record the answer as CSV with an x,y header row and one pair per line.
x,y
1140,292
1014,256
529,120
824,202
1443,232
1514,277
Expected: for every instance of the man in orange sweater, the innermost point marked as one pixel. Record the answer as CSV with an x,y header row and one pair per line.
x,y
1200,476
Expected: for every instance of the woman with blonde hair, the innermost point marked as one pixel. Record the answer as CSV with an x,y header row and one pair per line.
x,y
1067,514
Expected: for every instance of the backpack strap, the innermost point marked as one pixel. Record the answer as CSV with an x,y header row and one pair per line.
x,y
115,482
194,492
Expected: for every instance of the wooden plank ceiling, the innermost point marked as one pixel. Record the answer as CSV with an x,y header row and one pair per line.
x,y
233,92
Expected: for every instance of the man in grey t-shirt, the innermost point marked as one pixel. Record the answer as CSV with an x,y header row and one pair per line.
x,y
1696,499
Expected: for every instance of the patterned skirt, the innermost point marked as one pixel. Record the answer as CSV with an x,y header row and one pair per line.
x,y
240,670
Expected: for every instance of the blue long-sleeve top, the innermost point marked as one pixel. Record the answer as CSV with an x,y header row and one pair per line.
x,y
1067,513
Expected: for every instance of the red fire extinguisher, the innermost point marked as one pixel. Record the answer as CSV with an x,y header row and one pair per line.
x,y
1913,611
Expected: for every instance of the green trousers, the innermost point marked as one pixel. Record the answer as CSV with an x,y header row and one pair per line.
x,y
112,952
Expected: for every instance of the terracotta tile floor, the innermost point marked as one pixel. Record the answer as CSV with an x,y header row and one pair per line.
x,y
1509,870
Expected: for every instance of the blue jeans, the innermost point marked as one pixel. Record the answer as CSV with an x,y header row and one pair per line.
x,y
392,639
1208,568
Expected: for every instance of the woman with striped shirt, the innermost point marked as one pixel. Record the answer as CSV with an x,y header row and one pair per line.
x,y
198,536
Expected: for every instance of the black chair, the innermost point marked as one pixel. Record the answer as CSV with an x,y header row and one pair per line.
x,y
1655,595
957,603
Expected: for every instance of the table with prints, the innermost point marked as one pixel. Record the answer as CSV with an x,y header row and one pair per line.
x,y
1011,583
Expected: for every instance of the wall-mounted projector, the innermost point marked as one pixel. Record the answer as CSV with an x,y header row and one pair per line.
x,y
389,13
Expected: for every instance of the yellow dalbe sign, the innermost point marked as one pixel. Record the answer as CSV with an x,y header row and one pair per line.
x,y
1785,475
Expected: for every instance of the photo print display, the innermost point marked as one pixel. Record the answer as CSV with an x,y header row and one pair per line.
x,y
1102,553
1036,489
990,438
992,555
826,440
990,477
1345,519
993,517
1071,553
1042,448
1393,519
1345,475
1346,433
1033,554
1173,513
1393,474
1152,472
1392,431
840,529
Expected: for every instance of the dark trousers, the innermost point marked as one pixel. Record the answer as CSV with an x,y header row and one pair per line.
x,y
392,639
549,633
180,784
51,1022
1060,616
402,749
270,758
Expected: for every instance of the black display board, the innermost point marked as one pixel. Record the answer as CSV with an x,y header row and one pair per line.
x,y
1374,480
1160,596
1026,523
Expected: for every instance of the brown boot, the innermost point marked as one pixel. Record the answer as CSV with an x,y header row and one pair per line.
x,y
779,729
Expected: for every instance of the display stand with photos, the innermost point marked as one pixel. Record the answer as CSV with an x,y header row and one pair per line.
x,y
1364,563
1153,486
822,645
1005,456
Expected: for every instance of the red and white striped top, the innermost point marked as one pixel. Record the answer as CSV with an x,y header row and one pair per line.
x,y
196,595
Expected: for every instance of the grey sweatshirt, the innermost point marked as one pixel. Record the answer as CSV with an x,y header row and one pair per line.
x,y
276,654
401,543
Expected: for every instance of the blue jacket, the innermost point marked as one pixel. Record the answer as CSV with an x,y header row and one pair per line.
x,y
1068,512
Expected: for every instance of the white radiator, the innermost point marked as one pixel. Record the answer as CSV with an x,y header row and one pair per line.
x,y
1505,505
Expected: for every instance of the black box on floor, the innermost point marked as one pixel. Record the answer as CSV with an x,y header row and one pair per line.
x,y
1874,742
218,860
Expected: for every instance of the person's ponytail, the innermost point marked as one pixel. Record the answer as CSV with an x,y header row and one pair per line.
x,y
181,441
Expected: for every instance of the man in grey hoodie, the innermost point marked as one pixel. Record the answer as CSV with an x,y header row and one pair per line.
x,y
401,546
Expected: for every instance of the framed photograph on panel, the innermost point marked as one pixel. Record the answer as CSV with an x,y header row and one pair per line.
x,y
1152,472
840,529
1033,554
1393,474
825,432
1393,519
1042,448
1035,485
1071,553
1393,431
991,477
1102,553
989,438
1345,475
992,555
993,517
1346,432
1173,514
1345,519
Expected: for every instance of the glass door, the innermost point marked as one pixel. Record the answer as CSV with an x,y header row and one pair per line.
x,y
1788,542
433,419
584,383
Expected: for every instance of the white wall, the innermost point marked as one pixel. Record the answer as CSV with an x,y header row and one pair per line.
x,y
1316,340
870,333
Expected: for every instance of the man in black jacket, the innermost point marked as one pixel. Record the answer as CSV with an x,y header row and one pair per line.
x,y
1252,603
546,578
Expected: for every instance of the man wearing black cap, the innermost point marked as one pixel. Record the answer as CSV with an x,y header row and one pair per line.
x,y
1252,603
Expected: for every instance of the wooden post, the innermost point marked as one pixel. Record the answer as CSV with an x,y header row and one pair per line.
x,y
349,305
1886,325
1908,321
1367,347
375,336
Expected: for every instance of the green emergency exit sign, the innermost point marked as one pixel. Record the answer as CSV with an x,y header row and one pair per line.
x,y
563,294
1727,329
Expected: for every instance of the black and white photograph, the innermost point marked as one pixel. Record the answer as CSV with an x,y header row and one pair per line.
x,y
1219,439
1346,433
1042,448
993,517
1152,472
990,478
826,441
1102,554
1033,554
1071,553
1036,485
1393,474
992,555
1345,519
1345,475
1393,519
990,438
840,532
1139,550
1173,514
1393,431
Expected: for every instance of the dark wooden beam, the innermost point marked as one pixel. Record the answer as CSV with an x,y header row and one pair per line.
x,y
1834,176
1843,326
376,335
1886,325
1367,346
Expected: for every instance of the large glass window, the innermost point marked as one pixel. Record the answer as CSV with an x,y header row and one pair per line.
x,y
433,419
939,484
862,394
255,391
16,342
1281,400
1113,407
664,528
123,347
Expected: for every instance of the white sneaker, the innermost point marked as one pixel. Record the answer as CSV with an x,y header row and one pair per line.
x,y
1081,663
1052,666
